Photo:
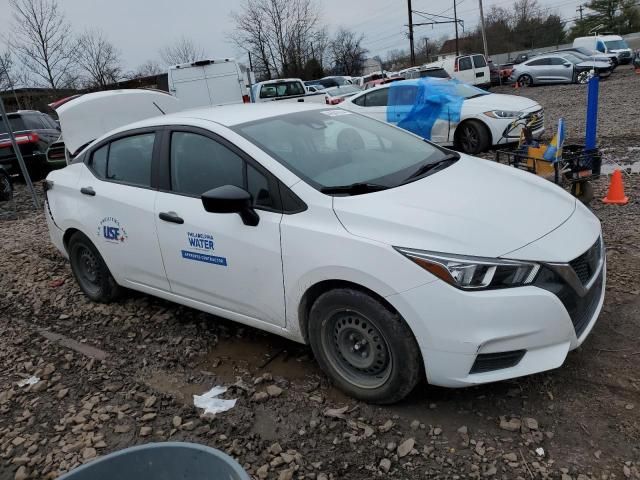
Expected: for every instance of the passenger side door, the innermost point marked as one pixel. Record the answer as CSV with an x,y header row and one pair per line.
x,y
118,208
214,258
465,70
561,69
373,104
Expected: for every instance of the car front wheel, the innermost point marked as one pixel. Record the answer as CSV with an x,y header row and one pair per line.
x,y
472,137
367,350
90,270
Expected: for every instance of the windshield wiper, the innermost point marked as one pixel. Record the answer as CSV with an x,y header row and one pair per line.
x,y
476,96
433,167
354,188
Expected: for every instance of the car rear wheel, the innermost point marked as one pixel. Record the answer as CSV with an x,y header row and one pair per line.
x,y
367,350
472,137
90,270
525,80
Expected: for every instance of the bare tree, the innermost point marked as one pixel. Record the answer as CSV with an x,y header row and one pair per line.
x,y
347,52
6,71
147,69
278,33
42,41
182,51
99,59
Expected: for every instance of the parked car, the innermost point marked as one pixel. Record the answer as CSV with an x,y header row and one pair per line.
x,y
313,88
336,95
284,89
335,81
428,72
34,132
557,68
607,44
329,228
523,57
482,120
382,81
505,71
472,69
494,73
209,82
592,54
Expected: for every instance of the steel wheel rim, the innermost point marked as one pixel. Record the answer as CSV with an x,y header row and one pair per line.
x,y
356,349
469,139
88,269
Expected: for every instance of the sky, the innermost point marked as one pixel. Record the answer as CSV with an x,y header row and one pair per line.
x,y
139,28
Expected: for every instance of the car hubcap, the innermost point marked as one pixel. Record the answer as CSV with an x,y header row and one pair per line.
x,y
357,350
469,139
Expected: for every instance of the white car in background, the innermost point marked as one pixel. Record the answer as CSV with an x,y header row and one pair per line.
x,y
483,118
392,257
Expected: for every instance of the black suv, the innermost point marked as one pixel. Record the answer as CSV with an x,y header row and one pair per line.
x,y
34,132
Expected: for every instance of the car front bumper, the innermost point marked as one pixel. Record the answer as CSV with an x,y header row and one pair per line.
x,y
469,338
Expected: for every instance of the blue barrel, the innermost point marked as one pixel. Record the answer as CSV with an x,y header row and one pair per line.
x,y
161,461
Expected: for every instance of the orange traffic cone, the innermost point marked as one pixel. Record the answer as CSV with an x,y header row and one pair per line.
x,y
616,190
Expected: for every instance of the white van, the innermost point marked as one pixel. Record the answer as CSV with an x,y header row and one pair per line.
x,y
472,69
607,44
208,82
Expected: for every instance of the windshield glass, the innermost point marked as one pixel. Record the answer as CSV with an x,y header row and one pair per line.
x,y
281,89
468,91
329,148
616,44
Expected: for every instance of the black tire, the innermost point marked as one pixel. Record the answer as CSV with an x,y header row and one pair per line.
x,y
583,77
525,80
385,368
91,272
472,137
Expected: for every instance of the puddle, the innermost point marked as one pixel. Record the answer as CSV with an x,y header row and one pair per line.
x,y
254,356
608,167
175,386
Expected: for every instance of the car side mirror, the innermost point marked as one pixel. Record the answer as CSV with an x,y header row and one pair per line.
x,y
231,199
567,64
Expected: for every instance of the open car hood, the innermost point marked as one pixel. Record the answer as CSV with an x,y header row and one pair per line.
x,y
87,117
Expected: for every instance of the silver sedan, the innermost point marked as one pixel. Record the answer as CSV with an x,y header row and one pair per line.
x,y
557,68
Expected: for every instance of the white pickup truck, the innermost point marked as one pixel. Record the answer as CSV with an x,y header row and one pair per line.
x,y
284,89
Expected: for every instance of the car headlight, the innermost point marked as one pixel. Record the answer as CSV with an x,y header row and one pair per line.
x,y
473,273
502,114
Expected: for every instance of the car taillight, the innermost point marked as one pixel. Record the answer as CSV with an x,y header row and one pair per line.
x,y
246,99
455,67
335,101
62,101
21,139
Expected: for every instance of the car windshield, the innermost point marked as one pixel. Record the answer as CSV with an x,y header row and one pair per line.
x,y
333,147
17,125
616,44
587,52
281,89
468,91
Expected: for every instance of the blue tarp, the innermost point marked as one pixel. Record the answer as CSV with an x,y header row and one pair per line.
x,y
415,105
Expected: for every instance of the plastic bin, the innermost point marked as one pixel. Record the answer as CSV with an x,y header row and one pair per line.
x,y
161,461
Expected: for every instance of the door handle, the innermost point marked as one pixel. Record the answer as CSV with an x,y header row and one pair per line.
x,y
171,217
88,191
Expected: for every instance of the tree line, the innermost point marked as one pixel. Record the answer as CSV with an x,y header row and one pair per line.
x,y
42,50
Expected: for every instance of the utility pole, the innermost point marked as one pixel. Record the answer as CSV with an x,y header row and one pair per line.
x,y
455,18
484,35
426,49
413,53
580,9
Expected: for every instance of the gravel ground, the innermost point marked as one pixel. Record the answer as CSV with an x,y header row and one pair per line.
x,y
117,375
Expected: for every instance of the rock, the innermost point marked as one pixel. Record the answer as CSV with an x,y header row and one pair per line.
x,y
150,401
263,471
629,406
145,431
260,397
512,425
21,473
480,450
18,441
188,426
463,430
385,465
336,412
286,474
510,457
62,393
89,453
415,425
275,449
490,471
405,447
276,462
147,417
121,428
530,423
388,425
274,391
322,476
177,421
625,470
437,431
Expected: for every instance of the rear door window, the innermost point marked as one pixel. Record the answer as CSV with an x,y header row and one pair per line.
x,y
130,160
479,61
539,62
33,122
98,161
16,123
377,98
464,63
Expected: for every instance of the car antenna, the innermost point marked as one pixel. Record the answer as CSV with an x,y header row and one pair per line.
x,y
161,111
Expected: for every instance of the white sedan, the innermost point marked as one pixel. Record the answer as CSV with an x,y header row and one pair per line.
x,y
392,257
480,122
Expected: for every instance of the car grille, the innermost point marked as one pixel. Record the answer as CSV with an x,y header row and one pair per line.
x,y
581,309
625,55
586,264
488,362
539,123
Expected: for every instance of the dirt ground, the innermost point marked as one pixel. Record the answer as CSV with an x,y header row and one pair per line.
x,y
117,375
